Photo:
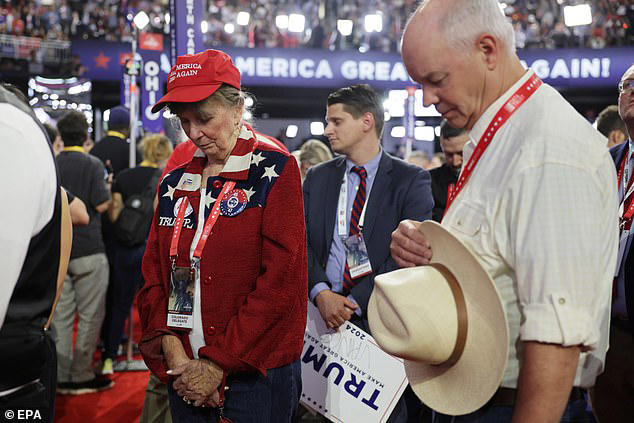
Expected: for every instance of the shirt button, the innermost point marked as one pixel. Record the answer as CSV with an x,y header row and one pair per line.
x,y
207,280
217,184
211,330
562,301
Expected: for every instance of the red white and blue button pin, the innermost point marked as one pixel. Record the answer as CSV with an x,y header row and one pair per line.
x,y
233,202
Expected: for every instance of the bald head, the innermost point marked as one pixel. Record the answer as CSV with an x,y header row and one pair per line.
x,y
462,54
461,22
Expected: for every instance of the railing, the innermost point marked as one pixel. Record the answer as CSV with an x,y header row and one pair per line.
x,y
34,49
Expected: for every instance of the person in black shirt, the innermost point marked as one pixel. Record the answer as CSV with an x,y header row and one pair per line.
x,y
85,285
452,141
126,264
115,147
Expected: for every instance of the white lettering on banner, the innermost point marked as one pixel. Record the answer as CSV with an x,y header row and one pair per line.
x,y
585,68
323,70
371,71
190,12
349,69
151,85
382,71
263,67
191,44
399,73
280,68
306,68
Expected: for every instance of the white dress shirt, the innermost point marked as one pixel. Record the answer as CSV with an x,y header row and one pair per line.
x,y
27,187
540,214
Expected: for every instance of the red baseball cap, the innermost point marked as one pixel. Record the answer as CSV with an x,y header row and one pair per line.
x,y
197,76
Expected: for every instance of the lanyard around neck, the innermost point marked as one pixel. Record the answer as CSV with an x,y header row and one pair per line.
x,y
77,148
209,224
342,227
626,181
506,111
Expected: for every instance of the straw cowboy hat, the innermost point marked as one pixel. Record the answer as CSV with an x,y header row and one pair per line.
x,y
447,321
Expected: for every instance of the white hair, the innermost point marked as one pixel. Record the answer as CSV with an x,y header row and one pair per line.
x,y
466,20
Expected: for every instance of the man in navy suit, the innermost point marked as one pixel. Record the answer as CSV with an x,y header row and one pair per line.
x,y
356,200
613,400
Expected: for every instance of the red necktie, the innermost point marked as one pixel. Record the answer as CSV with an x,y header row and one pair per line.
x,y
357,209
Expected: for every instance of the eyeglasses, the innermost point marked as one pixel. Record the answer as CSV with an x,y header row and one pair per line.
x,y
627,85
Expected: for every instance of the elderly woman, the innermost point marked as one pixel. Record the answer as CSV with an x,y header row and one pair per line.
x,y
230,225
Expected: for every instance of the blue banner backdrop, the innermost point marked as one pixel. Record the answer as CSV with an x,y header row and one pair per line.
x,y
151,89
186,33
563,68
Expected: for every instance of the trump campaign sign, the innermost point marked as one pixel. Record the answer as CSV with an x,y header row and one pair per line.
x,y
346,376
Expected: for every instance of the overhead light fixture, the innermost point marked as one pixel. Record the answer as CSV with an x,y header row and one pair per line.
x,y
229,28
317,128
344,26
398,132
373,23
424,133
580,14
141,20
243,18
281,21
291,131
296,22
248,101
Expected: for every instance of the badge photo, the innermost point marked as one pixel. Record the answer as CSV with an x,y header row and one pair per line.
x,y
233,202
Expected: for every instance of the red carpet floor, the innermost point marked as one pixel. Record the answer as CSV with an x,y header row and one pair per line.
x,y
121,404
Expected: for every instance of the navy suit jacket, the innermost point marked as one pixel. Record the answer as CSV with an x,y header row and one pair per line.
x,y
400,191
618,154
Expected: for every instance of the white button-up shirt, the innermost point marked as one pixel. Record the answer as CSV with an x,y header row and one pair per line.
x,y
540,213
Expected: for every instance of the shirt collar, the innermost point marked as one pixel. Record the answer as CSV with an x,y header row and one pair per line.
x,y
483,123
370,167
116,134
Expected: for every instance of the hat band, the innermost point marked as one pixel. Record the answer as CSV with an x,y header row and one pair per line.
x,y
461,310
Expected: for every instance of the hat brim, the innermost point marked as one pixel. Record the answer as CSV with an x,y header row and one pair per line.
x,y
186,94
467,385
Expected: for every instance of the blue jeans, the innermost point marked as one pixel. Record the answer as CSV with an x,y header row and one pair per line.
x,y
251,398
575,412
126,281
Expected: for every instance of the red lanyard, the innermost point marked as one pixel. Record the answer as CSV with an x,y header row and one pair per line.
x,y
450,190
627,214
209,224
505,112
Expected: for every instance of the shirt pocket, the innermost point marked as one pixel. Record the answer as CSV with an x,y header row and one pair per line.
x,y
469,219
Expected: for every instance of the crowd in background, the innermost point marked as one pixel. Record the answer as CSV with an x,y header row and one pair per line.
x,y
538,23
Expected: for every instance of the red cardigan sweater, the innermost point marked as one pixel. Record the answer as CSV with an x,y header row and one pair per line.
x,y
253,271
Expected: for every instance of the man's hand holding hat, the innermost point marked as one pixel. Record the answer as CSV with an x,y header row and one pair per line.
x,y
409,247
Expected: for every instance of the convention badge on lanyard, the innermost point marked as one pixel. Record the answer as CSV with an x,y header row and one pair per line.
x,y
506,111
180,305
356,252
626,209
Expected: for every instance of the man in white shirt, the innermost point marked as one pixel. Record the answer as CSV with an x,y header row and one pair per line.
x,y
534,202
29,259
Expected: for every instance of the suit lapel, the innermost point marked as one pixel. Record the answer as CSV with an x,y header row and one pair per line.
x,y
382,181
333,186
